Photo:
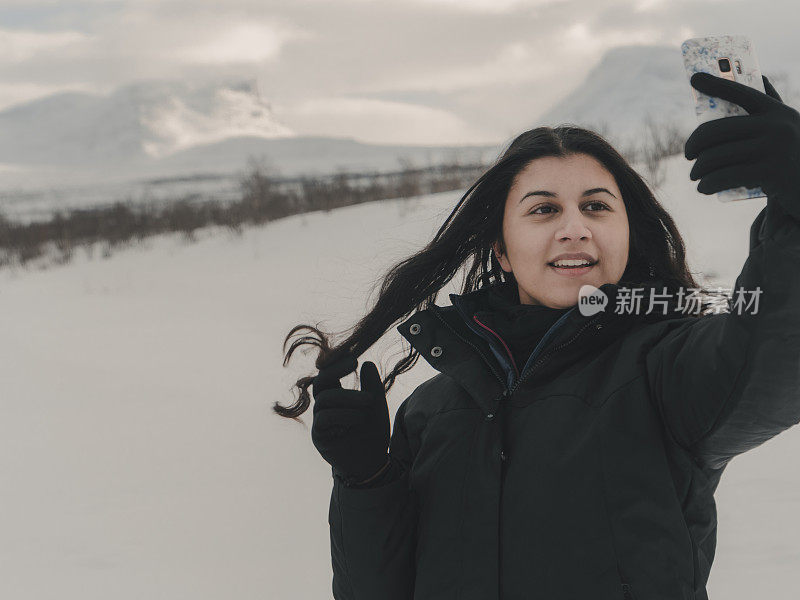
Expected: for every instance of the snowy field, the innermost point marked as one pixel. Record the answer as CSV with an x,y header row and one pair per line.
x,y
140,458
39,200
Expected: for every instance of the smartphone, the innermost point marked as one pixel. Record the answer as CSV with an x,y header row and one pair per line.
x,y
732,57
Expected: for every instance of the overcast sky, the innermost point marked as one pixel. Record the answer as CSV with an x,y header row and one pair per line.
x,y
406,71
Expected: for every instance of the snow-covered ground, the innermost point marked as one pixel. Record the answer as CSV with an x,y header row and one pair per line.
x,y
140,458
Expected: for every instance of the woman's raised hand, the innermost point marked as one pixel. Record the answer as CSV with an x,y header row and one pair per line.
x,y
351,427
760,149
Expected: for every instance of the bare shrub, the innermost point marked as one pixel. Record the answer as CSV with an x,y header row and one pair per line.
x,y
264,197
660,141
261,198
410,181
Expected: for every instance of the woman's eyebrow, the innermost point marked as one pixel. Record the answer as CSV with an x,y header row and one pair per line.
x,y
554,195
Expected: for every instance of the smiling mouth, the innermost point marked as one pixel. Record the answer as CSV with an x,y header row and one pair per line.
x,y
572,271
580,267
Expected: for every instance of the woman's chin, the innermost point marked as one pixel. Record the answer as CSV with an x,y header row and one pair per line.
x,y
563,298
567,290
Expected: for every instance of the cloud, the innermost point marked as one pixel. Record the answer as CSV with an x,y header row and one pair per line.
x,y
492,6
177,34
239,43
513,62
379,122
17,93
494,64
17,45
588,42
648,5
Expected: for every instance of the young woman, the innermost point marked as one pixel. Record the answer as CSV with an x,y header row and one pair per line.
x,y
560,453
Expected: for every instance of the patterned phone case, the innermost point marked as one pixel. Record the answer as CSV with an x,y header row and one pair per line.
x,y
702,55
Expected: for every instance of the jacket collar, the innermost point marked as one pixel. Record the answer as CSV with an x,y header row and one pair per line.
x,y
444,337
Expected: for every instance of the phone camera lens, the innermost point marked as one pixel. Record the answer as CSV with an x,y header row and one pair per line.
x,y
724,65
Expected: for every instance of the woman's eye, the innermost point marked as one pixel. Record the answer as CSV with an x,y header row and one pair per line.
x,y
533,212
600,204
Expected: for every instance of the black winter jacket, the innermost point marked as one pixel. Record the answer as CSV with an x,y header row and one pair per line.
x,y
592,475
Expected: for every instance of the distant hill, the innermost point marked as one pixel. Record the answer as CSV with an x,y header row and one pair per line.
x,y
167,128
627,84
145,120
630,83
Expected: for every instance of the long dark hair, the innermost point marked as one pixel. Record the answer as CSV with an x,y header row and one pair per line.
x,y
656,249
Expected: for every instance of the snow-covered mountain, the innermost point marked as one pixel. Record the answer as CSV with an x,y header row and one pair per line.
x,y
137,122
628,84
178,118
163,129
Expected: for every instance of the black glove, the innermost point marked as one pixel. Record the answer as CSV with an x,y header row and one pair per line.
x,y
351,427
760,149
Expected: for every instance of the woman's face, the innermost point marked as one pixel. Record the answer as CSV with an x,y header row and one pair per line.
x,y
547,214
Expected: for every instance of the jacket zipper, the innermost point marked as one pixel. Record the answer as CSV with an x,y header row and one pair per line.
x,y
546,355
525,374
508,351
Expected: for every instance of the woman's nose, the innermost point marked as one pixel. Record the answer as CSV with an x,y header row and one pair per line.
x,y
573,225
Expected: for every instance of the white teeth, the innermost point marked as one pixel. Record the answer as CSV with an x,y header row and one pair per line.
x,y
571,263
